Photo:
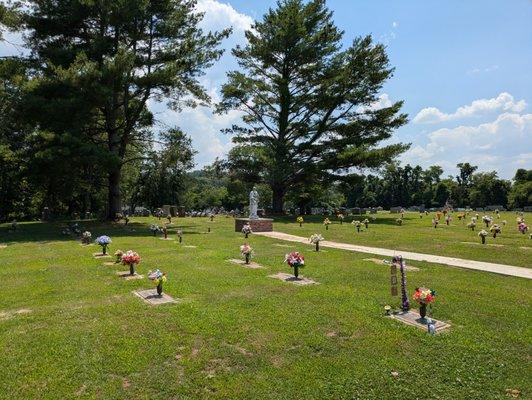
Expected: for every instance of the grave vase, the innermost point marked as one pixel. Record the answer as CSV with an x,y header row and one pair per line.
x,y
423,310
160,288
104,250
296,271
247,258
131,269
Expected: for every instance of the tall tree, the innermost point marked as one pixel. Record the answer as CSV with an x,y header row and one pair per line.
x,y
98,64
465,180
308,104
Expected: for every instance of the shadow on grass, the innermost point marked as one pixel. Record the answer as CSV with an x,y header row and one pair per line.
x,y
45,232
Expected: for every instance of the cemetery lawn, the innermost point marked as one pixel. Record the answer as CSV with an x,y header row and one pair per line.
x,y
70,328
417,234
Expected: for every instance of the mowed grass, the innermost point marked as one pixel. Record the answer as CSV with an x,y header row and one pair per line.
x,y
417,234
70,328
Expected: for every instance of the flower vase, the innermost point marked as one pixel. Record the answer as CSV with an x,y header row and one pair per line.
x,y
160,288
358,229
300,224
483,238
326,227
104,250
247,258
296,271
131,269
422,310
247,235
180,239
317,246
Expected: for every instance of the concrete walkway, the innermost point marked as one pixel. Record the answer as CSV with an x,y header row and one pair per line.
x,y
455,262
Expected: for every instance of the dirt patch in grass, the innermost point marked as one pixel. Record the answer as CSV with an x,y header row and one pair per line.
x,y
4,315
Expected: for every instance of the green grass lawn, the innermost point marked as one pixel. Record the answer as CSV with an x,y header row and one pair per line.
x,y
70,328
417,234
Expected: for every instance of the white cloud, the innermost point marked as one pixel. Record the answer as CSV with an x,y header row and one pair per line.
x,y
503,102
496,145
221,15
395,24
477,70
383,101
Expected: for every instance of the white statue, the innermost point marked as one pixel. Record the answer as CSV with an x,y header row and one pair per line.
x,y
253,203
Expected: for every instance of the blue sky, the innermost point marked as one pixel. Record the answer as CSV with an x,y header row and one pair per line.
x,y
463,68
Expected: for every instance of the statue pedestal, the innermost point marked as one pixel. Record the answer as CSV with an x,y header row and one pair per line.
x,y
257,225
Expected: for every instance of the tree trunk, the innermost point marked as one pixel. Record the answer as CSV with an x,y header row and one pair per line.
x,y
113,200
278,200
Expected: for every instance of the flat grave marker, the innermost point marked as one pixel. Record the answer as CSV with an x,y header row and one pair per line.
x,y
413,318
151,297
128,277
301,281
251,265
101,255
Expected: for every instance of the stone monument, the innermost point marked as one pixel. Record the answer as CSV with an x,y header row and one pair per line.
x,y
253,203
257,224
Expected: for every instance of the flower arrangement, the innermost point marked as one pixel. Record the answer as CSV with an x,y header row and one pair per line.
x,y
131,258
357,225
165,231
158,278
522,227
504,222
399,221
341,217
180,235
246,229
424,296
316,239
300,221
366,223
103,241
495,229
482,234
296,261
169,218
487,220
448,219
86,237
326,222
435,223
118,255
472,225
154,229
246,251
438,215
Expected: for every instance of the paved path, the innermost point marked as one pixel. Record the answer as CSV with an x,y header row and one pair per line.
x,y
456,262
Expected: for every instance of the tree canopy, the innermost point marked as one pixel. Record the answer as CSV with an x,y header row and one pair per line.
x,y
309,105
